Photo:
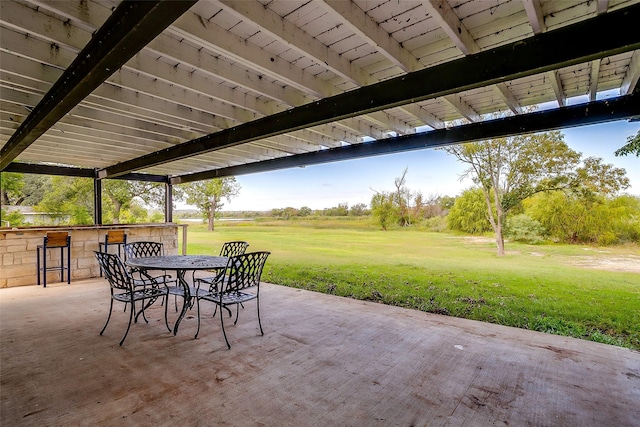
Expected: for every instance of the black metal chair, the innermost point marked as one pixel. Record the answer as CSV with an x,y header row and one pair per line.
x,y
143,249
147,249
54,240
235,248
241,274
228,249
124,288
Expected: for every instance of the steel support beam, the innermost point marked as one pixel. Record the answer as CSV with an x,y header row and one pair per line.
x,y
168,202
129,29
626,107
97,201
78,172
538,54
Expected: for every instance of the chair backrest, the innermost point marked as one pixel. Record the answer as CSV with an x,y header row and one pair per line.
x,y
143,249
233,248
244,271
115,236
57,239
115,271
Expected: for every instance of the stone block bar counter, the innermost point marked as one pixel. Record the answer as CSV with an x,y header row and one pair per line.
x,y
18,249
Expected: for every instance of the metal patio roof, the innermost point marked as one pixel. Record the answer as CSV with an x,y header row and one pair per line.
x,y
191,90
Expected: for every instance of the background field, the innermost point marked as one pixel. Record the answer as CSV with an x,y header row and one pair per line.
x,y
585,292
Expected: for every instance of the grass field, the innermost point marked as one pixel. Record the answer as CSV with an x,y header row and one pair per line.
x,y
584,292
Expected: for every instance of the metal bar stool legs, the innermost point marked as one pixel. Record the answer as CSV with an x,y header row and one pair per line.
x,y
113,237
54,240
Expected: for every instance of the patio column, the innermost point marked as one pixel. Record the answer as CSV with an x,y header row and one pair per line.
x,y
97,200
168,202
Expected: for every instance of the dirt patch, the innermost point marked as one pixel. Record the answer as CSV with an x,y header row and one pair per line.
x,y
604,261
630,263
478,239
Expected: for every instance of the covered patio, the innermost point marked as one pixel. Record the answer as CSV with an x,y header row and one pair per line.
x,y
177,92
324,360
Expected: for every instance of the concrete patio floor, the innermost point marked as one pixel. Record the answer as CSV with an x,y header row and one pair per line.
x,y
323,361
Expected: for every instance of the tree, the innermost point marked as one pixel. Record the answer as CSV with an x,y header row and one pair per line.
x,y
431,206
289,212
584,212
11,185
35,188
509,170
207,196
401,199
341,210
304,211
390,207
69,200
631,147
383,208
359,209
122,195
24,189
469,213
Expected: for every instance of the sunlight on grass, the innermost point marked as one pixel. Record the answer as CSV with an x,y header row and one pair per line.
x,y
538,287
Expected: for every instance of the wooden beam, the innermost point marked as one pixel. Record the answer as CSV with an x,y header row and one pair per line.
x,y
367,29
593,81
630,80
535,15
462,107
131,26
602,6
451,24
295,38
508,62
508,98
556,84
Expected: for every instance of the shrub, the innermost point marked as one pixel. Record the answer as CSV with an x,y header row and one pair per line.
x,y
437,224
14,219
607,238
523,228
469,213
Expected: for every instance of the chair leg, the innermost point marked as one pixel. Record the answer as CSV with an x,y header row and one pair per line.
x,y
237,313
108,317
152,301
38,265
166,320
44,267
69,264
61,264
223,331
198,329
129,325
259,322
144,316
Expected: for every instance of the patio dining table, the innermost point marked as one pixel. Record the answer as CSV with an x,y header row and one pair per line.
x,y
181,264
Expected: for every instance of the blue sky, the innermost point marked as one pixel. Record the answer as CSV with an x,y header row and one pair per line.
x,y
432,172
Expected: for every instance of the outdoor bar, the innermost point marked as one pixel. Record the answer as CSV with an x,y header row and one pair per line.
x,y
18,253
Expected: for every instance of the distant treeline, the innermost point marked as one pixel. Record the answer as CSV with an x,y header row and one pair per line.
x,y
343,209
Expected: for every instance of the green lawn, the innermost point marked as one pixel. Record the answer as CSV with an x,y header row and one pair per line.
x,y
548,288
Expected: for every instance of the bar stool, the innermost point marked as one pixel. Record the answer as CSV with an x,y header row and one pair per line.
x,y
53,240
113,237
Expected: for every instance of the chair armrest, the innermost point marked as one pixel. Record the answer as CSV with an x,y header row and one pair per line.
x,y
211,281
